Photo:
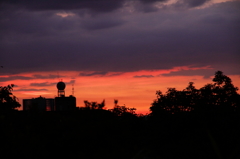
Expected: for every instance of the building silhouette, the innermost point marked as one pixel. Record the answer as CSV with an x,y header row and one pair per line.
x,y
63,103
39,104
59,103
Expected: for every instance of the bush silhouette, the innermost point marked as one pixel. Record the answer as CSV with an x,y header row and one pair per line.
x,y
7,100
218,96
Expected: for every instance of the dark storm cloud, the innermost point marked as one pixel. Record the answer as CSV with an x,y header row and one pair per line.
x,y
195,3
206,73
149,5
101,23
41,5
190,3
143,76
146,6
100,73
10,78
29,90
95,5
70,82
36,76
152,1
97,73
42,84
42,41
50,76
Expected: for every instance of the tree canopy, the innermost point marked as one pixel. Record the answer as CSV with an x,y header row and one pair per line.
x,y
7,100
220,95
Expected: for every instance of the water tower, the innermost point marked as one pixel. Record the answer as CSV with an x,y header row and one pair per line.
x,y
63,103
61,86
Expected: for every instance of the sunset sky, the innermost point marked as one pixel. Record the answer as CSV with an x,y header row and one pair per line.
x,y
117,49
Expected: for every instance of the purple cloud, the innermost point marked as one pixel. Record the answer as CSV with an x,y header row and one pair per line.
x,y
144,76
29,90
43,84
10,78
118,39
42,5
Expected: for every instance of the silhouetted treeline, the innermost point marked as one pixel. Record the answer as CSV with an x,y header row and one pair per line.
x,y
193,123
116,110
102,134
7,100
220,96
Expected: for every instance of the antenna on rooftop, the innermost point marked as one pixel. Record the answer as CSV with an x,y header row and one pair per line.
x,y
72,89
58,76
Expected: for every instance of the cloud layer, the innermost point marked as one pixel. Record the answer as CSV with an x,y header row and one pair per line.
x,y
117,36
92,5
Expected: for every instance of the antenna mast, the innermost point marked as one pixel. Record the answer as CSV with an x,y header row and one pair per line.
x,y
72,89
58,76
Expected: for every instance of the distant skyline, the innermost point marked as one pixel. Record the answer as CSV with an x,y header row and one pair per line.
x,y
121,49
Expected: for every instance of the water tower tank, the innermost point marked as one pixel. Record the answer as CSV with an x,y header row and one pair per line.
x,y
61,85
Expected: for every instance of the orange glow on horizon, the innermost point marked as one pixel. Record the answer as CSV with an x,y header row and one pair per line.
x,y
133,89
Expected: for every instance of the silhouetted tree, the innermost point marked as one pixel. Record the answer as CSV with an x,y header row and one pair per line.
x,y
101,105
190,97
94,105
122,110
115,102
221,95
159,105
171,102
7,100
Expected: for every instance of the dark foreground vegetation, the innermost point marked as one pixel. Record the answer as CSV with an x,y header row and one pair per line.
x,y
101,134
189,124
